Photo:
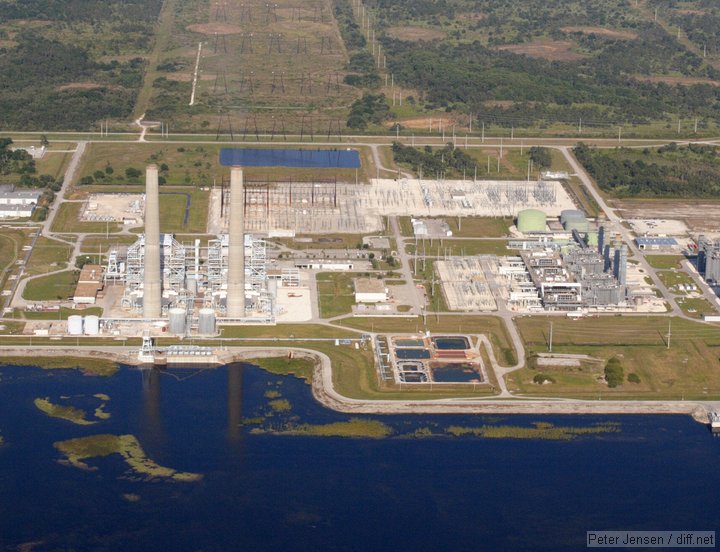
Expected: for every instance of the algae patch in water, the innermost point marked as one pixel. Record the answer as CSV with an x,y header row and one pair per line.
x,y
101,414
540,430
127,446
280,405
355,427
69,413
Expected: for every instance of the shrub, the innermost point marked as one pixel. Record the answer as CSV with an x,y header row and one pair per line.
x,y
614,373
543,378
633,378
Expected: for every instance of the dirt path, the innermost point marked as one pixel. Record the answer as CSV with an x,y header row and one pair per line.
x,y
162,36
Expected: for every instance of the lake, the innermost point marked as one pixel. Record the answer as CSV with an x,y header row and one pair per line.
x,y
435,483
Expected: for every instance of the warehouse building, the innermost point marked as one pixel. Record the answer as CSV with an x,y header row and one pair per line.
x,y
370,290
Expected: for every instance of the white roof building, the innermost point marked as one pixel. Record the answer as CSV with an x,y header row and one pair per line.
x,y
370,290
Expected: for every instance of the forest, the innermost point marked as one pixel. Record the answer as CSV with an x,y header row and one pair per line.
x,y
66,64
525,64
446,161
667,171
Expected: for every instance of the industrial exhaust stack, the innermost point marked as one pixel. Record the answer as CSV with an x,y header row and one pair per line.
x,y
152,282
236,247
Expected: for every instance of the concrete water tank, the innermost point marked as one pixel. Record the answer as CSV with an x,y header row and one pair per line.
x,y
92,325
206,322
176,321
75,325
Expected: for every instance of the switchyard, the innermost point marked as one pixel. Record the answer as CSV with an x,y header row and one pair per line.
x,y
328,206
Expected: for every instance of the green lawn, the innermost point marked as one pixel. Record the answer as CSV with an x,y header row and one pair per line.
x,y
696,307
52,287
673,278
664,262
67,219
461,247
690,368
468,227
336,294
48,255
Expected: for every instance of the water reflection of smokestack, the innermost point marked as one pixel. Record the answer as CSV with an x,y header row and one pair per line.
x,y
153,434
234,402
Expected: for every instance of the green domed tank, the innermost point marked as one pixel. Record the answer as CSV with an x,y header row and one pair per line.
x,y
531,220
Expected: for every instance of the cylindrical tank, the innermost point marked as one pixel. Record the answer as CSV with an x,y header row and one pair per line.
x,y
176,321
568,214
75,325
92,325
206,322
531,220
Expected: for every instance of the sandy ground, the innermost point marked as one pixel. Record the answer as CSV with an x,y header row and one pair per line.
x,y
553,50
114,207
699,216
658,227
295,304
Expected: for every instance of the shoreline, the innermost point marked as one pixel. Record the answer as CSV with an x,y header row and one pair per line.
x,y
324,392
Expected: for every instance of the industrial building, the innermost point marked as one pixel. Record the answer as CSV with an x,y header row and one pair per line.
x,y
708,259
190,285
18,203
570,277
370,290
656,244
90,282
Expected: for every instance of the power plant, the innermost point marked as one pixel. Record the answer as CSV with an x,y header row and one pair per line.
x,y
186,288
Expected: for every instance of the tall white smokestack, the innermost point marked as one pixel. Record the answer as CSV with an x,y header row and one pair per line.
x,y
152,283
236,247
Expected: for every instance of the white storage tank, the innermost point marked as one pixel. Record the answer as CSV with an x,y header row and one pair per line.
x,y
206,322
176,321
92,325
75,324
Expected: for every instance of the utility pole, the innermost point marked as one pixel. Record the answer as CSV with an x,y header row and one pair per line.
x,y
551,338
669,332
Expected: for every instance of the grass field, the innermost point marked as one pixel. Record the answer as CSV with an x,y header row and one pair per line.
x,y
673,278
48,255
194,165
62,314
11,243
689,368
461,247
52,287
467,227
336,294
664,262
696,306
67,220
99,244
287,330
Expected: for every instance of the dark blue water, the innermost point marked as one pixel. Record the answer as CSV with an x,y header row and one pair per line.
x,y
300,158
409,354
272,492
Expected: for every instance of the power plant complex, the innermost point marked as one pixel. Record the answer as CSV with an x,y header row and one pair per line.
x,y
187,288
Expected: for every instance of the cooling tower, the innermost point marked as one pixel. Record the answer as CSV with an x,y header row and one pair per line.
x,y
152,282
236,247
